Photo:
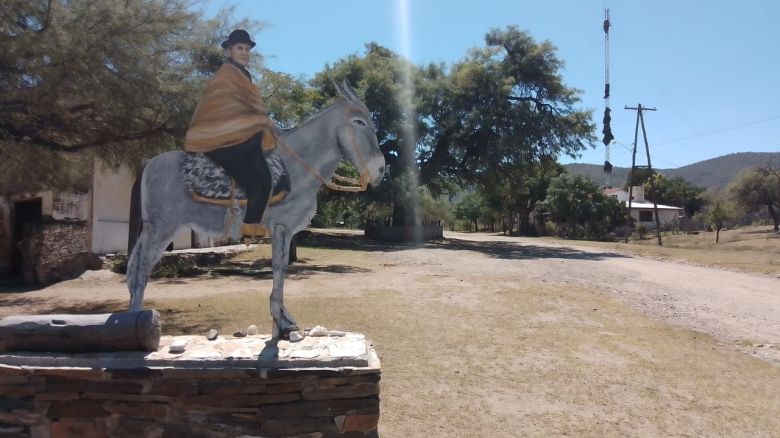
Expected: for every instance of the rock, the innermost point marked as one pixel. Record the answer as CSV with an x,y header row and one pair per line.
x,y
212,334
318,331
251,330
178,346
295,336
239,334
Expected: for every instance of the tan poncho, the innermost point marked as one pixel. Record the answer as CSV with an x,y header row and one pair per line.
x,y
230,112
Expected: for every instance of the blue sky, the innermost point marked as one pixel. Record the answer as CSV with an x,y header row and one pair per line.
x,y
712,69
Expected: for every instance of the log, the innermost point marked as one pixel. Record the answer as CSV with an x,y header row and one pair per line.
x,y
139,330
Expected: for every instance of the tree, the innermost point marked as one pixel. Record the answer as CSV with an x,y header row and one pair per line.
x,y
719,210
514,189
676,191
117,79
471,208
503,103
759,188
576,200
638,177
716,217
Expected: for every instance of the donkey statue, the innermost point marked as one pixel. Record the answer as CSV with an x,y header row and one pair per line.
x,y
167,196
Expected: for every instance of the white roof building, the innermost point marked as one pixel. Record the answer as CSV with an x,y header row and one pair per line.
x,y
642,209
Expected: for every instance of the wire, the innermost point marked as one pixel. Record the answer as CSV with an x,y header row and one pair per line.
x,y
630,149
718,131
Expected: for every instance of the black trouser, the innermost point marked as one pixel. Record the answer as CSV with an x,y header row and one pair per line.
x,y
245,162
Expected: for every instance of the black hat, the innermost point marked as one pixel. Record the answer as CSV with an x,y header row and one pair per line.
x,y
238,36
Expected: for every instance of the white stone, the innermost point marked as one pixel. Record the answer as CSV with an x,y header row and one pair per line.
x,y
178,345
321,331
251,330
295,336
318,331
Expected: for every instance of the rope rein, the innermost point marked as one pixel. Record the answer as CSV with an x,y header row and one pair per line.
x,y
358,185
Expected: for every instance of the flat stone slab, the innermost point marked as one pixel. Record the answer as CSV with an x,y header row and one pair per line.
x,y
253,351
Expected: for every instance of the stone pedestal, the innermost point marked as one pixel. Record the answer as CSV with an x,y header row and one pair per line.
x,y
317,387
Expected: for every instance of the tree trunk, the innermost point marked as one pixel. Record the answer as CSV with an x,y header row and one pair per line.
x,y
403,215
717,233
775,216
511,224
81,333
525,223
293,249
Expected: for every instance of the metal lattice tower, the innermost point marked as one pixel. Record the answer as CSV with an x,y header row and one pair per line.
x,y
607,130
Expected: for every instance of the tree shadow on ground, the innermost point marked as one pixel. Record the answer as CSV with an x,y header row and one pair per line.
x,y
45,306
17,285
262,269
768,233
85,308
351,242
523,251
495,248
9,301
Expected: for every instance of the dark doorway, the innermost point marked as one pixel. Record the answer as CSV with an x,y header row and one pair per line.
x,y
27,214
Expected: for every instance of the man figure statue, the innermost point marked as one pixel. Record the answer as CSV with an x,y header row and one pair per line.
x,y
232,128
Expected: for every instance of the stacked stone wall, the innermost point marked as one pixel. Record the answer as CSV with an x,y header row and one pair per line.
x,y
57,250
83,402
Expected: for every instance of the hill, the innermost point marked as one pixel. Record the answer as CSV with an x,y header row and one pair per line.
x,y
714,173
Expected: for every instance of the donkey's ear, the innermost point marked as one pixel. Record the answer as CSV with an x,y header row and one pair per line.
x,y
350,91
340,90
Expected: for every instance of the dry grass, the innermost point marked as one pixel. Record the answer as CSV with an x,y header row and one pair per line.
x,y
469,355
750,249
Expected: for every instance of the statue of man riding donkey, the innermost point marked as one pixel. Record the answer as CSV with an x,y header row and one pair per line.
x,y
234,159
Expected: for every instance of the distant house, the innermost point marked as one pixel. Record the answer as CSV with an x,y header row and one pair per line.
x,y
642,209
51,234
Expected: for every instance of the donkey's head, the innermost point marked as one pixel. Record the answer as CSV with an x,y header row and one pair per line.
x,y
357,137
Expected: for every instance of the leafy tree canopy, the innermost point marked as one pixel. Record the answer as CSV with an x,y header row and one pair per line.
x,y
676,191
759,188
504,103
574,199
117,79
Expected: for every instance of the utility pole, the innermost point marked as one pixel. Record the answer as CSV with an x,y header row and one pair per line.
x,y
641,120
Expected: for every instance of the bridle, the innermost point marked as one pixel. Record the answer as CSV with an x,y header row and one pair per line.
x,y
357,185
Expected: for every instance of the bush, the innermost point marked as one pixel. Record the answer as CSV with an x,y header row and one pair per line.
x,y
642,231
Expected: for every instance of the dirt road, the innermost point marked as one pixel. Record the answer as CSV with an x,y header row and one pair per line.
x,y
738,308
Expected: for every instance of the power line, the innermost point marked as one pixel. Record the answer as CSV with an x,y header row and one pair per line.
x,y
719,130
629,149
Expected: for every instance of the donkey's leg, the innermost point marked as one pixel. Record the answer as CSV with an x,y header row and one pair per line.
x,y
146,254
283,322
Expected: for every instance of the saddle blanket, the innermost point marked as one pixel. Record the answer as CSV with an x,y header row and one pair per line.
x,y
209,180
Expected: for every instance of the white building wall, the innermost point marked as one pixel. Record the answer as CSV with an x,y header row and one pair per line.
x,y
111,210
664,216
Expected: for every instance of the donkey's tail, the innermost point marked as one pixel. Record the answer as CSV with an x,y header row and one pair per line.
x,y
136,224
